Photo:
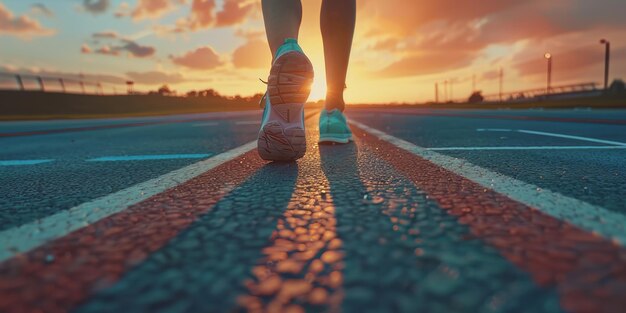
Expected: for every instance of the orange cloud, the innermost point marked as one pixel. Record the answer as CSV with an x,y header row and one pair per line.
x,y
566,64
253,54
22,26
426,63
201,14
154,8
234,12
203,58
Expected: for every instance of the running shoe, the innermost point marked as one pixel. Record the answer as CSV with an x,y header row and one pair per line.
x,y
282,136
334,127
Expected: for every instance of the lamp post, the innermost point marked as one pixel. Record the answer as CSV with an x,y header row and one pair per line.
x,y
607,60
548,57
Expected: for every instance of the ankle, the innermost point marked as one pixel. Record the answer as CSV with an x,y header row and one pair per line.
x,y
334,101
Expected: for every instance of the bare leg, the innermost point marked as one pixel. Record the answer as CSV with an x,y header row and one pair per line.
x,y
282,20
337,23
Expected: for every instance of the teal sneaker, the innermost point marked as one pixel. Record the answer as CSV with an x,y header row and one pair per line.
x,y
282,136
334,127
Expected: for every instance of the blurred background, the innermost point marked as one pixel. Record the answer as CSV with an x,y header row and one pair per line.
x,y
413,51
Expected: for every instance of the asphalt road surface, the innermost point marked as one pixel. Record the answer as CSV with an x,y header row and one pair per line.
x,y
428,211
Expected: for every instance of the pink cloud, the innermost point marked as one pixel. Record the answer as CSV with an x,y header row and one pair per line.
x,y
22,26
203,58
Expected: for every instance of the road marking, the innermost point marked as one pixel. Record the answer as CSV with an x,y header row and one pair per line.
x,y
533,132
608,142
493,130
205,124
23,162
23,238
527,148
476,115
150,157
248,123
589,217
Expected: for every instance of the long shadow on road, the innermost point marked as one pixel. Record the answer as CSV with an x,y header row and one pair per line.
x,y
405,254
201,269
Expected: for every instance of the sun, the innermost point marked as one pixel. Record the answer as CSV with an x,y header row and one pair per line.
x,y
318,90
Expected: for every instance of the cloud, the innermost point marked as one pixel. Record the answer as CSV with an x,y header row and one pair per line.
x,y
201,15
125,45
22,26
253,54
203,58
565,64
154,8
107,50
155,78
427,63
40,8
137,50
85,49
105,35
427,31
96,6
234,12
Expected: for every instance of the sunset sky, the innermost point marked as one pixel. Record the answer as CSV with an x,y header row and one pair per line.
x,y
401,47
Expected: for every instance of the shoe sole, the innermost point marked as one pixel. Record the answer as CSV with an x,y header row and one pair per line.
x,y
283,138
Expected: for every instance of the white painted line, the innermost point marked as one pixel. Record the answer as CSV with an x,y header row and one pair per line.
x,y
608,142
493,130
533,132
527,148
23,238
587,216
205,124
150,157
23,162
248,123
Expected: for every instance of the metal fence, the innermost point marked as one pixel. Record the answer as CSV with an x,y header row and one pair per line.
x,y
572,90
31,82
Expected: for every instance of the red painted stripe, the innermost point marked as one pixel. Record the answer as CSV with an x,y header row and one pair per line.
x,y
588,272
96,256
500,117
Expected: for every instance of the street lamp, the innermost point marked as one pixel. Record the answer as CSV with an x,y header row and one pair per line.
x,y
607,59
548,57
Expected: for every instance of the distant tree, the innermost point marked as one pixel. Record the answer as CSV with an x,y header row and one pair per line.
x,y
165,90
192,94
208,93
476,97
617,87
